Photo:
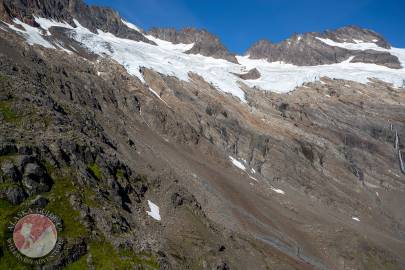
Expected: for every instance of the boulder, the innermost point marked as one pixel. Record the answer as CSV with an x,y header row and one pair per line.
x,y
10,172
35,179
39,202
15,195
7,149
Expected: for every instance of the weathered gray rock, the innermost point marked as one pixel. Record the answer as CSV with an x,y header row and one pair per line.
x,y
7,149
25,150
22,160
35,179
379,58
39,202
354,33
92,17
252,74
205,43
33,170
15,195
10,172
307,50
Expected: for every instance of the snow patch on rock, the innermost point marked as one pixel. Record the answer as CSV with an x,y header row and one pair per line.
x,y
356,218
31,34
46,24
362,46
131,25
251,177
237,163
277,190
154,211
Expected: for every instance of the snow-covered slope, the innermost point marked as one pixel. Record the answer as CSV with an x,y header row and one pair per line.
x,y
281,77
131,25
31,34
170,59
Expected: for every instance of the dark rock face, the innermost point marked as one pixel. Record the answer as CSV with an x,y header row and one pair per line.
x,y
10,172
204,42
39,202
379,58
299,50
35,179
252,74
7,149
307,50
354,33
15,195
91,17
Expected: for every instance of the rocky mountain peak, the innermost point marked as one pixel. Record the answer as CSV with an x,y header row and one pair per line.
x,y
205,43
91,17
310,49
260,49
356,34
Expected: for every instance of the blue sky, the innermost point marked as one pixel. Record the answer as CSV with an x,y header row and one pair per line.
x,y
241,23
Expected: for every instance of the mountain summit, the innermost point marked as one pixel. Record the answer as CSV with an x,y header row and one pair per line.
x,y
204,43
161,149
311,49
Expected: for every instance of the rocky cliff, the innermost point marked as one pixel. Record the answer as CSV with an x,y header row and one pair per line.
x,y
204,42
91,17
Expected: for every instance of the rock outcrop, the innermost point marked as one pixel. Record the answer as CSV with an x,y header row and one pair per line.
x,y
354,34
252,74
91,17
205,43
308,50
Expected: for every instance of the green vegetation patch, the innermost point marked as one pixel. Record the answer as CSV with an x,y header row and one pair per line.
x,y
10,157
6,186
59,203
89,198
120,173
80,264
8,113
9,261
6,212
105,256
4,78
95,170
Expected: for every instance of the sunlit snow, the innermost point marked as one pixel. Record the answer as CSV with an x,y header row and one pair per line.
x,y
131,25
46,24
154,211
279,191
281,77
170,59
362,46
356,218
251,177
237,163
31,34
157,95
